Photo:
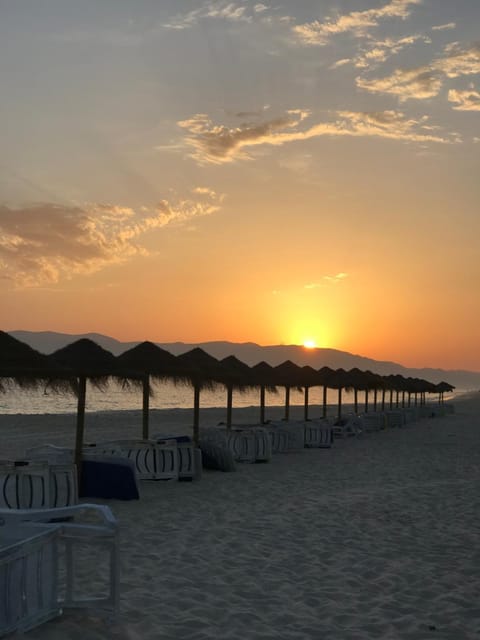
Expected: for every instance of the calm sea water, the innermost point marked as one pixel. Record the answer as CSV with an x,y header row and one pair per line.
x,y
166,396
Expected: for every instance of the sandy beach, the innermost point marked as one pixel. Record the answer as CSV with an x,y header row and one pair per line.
x,y
374,538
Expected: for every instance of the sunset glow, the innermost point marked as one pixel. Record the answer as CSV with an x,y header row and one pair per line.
x,y
296,173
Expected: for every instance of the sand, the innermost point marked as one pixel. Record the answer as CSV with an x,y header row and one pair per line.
x,y
374,538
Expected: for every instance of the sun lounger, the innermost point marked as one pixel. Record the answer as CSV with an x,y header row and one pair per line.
x,y
279,439
40,560
104,477
395,419
189,457
153,461
318,434
241,443
216,454
347,427
263,444
27,484
295,435
370,422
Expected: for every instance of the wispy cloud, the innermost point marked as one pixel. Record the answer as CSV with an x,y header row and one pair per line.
x,y
444,27
335,279
376,52
219,144
467,100
426,81
420,83
229,11
45,243
356,23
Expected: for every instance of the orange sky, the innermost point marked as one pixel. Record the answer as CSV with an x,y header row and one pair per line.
x,y
239,171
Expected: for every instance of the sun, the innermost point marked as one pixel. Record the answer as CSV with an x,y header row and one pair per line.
x,y
309,344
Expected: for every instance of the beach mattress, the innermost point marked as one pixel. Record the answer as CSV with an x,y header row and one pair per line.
x,y
108,478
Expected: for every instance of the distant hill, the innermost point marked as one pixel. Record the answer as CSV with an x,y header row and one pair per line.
x,y
251,353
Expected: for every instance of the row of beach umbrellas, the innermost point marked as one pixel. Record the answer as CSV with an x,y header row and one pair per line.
x,y
70,367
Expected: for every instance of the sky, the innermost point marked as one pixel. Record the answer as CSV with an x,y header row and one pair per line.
x,y
281,173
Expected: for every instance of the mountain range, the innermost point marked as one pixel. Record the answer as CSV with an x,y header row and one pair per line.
x,y
251,353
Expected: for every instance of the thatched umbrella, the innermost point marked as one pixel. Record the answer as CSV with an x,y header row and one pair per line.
x,y
310,378
236,375
25,367
373,382
442,388
203,372
288,375
395,383
88,361
357,380
146,360
325,374
339,380
263,377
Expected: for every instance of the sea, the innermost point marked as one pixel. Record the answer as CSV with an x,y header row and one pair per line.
x,y
165,396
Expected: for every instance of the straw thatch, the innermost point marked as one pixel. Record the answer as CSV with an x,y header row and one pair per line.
x,y
288,375
88,361
310,378
264,377
143,362
23,366
204,372
236,375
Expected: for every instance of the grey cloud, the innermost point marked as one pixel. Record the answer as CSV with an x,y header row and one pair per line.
x,y
219,144
45,243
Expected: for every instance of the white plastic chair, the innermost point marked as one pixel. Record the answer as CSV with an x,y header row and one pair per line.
x,y
39,564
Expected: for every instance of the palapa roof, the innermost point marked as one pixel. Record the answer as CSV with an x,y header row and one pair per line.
x,y
200,368
288,374
148,358
264,375
87,359
310,376
27,367
237,374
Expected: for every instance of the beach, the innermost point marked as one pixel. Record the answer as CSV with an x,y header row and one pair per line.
x,y
376,537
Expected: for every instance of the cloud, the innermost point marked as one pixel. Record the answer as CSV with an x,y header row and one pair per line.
x,y
378,51
219,144
420,83
44,243
468,100
230,11
444,27
459,61
356,23
426,81
329,279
